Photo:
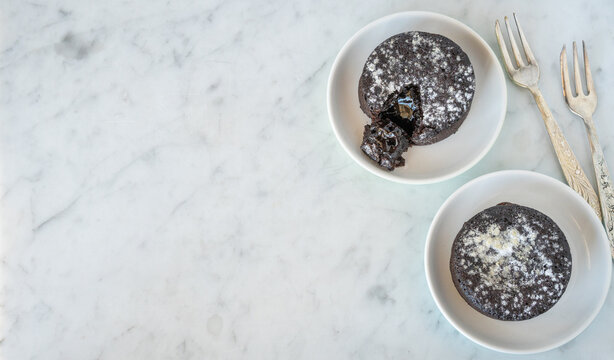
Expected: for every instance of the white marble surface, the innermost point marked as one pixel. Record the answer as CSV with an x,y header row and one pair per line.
x,y
171,187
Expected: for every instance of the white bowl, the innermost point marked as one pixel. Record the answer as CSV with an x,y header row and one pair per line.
x,y
590,253
431,163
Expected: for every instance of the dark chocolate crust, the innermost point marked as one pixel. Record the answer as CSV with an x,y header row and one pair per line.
x,y
385,144
510,262
434,64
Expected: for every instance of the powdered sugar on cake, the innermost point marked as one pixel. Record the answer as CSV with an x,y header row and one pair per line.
x,y
514,266
435,64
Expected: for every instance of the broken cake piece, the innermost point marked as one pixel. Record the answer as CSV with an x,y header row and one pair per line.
x,y
388,136
384,142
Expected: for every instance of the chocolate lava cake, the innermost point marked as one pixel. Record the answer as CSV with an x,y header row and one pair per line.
x,y
510,262
420,82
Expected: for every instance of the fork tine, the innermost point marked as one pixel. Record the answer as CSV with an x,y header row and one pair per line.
x,y
506,55
515,50
525,43
587,71
576,71
565,75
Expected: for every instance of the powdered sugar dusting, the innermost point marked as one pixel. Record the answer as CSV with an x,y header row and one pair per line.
x,y
435,64
516,267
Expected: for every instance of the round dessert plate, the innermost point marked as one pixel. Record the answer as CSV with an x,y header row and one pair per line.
x,y
430,163
590,254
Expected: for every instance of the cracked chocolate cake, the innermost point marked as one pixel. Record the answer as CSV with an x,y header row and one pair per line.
x,y
421,82
385,143
510,262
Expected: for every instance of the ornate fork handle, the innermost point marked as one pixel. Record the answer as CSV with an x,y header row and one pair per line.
x,y
574,175
604,184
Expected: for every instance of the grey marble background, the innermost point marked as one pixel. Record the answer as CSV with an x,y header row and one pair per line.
x,y
171,187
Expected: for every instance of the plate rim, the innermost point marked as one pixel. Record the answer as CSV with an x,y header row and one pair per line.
x,y
389,175
459,327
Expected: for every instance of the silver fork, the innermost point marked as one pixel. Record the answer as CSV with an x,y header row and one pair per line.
x,y
527,76
584,106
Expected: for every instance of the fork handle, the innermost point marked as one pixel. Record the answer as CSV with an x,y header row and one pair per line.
x,y
574,175
604,184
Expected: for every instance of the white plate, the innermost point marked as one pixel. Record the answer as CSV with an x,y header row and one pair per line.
x,y
431,163
590,253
